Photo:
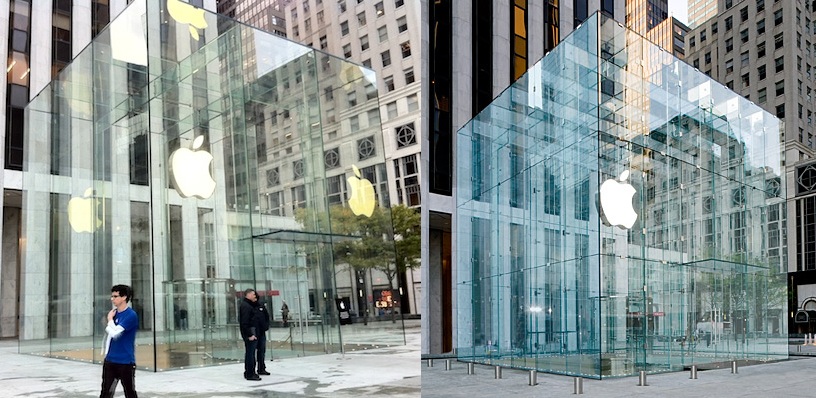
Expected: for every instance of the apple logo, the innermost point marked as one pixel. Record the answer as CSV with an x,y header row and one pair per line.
x,y
361,200
187,14
616,202
190,171
81,213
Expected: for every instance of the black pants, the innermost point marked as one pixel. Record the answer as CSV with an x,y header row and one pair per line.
x,y
112,373
255,355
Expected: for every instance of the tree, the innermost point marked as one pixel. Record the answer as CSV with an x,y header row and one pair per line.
x,y
388,241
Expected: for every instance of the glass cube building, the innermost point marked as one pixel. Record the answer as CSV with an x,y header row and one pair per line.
x,y
614,215
192,157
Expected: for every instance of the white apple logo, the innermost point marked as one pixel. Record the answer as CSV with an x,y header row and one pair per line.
x,y
81,214
190,171
361,199
616,202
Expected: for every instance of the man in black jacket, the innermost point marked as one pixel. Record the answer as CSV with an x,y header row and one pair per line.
x,y
254,321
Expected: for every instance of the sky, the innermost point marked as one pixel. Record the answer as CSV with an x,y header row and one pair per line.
x,y
679,10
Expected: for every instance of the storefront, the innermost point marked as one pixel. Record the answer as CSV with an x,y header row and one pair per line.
x,y
611,217
192,157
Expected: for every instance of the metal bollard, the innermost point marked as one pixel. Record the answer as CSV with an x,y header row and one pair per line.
x,y
734,369
642,379
578,385
447,364
533,377
497,372
470,368
693,372
430,362
798,348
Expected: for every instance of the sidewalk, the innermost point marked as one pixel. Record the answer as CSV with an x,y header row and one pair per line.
x,y
394,372
792,378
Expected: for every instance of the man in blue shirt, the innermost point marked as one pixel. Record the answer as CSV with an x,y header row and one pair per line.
x,y
120,344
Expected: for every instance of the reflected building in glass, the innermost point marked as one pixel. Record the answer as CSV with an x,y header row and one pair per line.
x,y
192,157
611,216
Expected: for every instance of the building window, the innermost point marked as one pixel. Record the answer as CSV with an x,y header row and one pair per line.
x,y
297,169
406,135
780,64
778,41
743,14
708,58
298,198
729,66
383,32
760,26
761,72
331,158
406,49
380,9
361,19
389,83
780,111
344,28
763,96
398,3
272,177
364,43
780,88
402,24
365,148
729,45
760,4
386,58
335,189
413,103
406,171
274,203
746,80
409,75
778,17
761,50
347,50
518,25
391,109
744,58
324,42
729,23
351,96
744,36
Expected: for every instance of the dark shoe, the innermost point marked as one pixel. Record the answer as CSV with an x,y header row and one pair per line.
x,y
263,372
253,377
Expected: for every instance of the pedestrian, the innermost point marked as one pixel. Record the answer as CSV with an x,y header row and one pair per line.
x,y
285,314
183,318
120,344
254,322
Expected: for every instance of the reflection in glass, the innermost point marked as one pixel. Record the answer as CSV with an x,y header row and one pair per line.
x,y
109,197
619,211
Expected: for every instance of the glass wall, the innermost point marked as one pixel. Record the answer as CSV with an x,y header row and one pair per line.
x,y
612,217
192,157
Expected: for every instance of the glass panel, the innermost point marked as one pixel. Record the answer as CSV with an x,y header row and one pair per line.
x,y
144,169
612,211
